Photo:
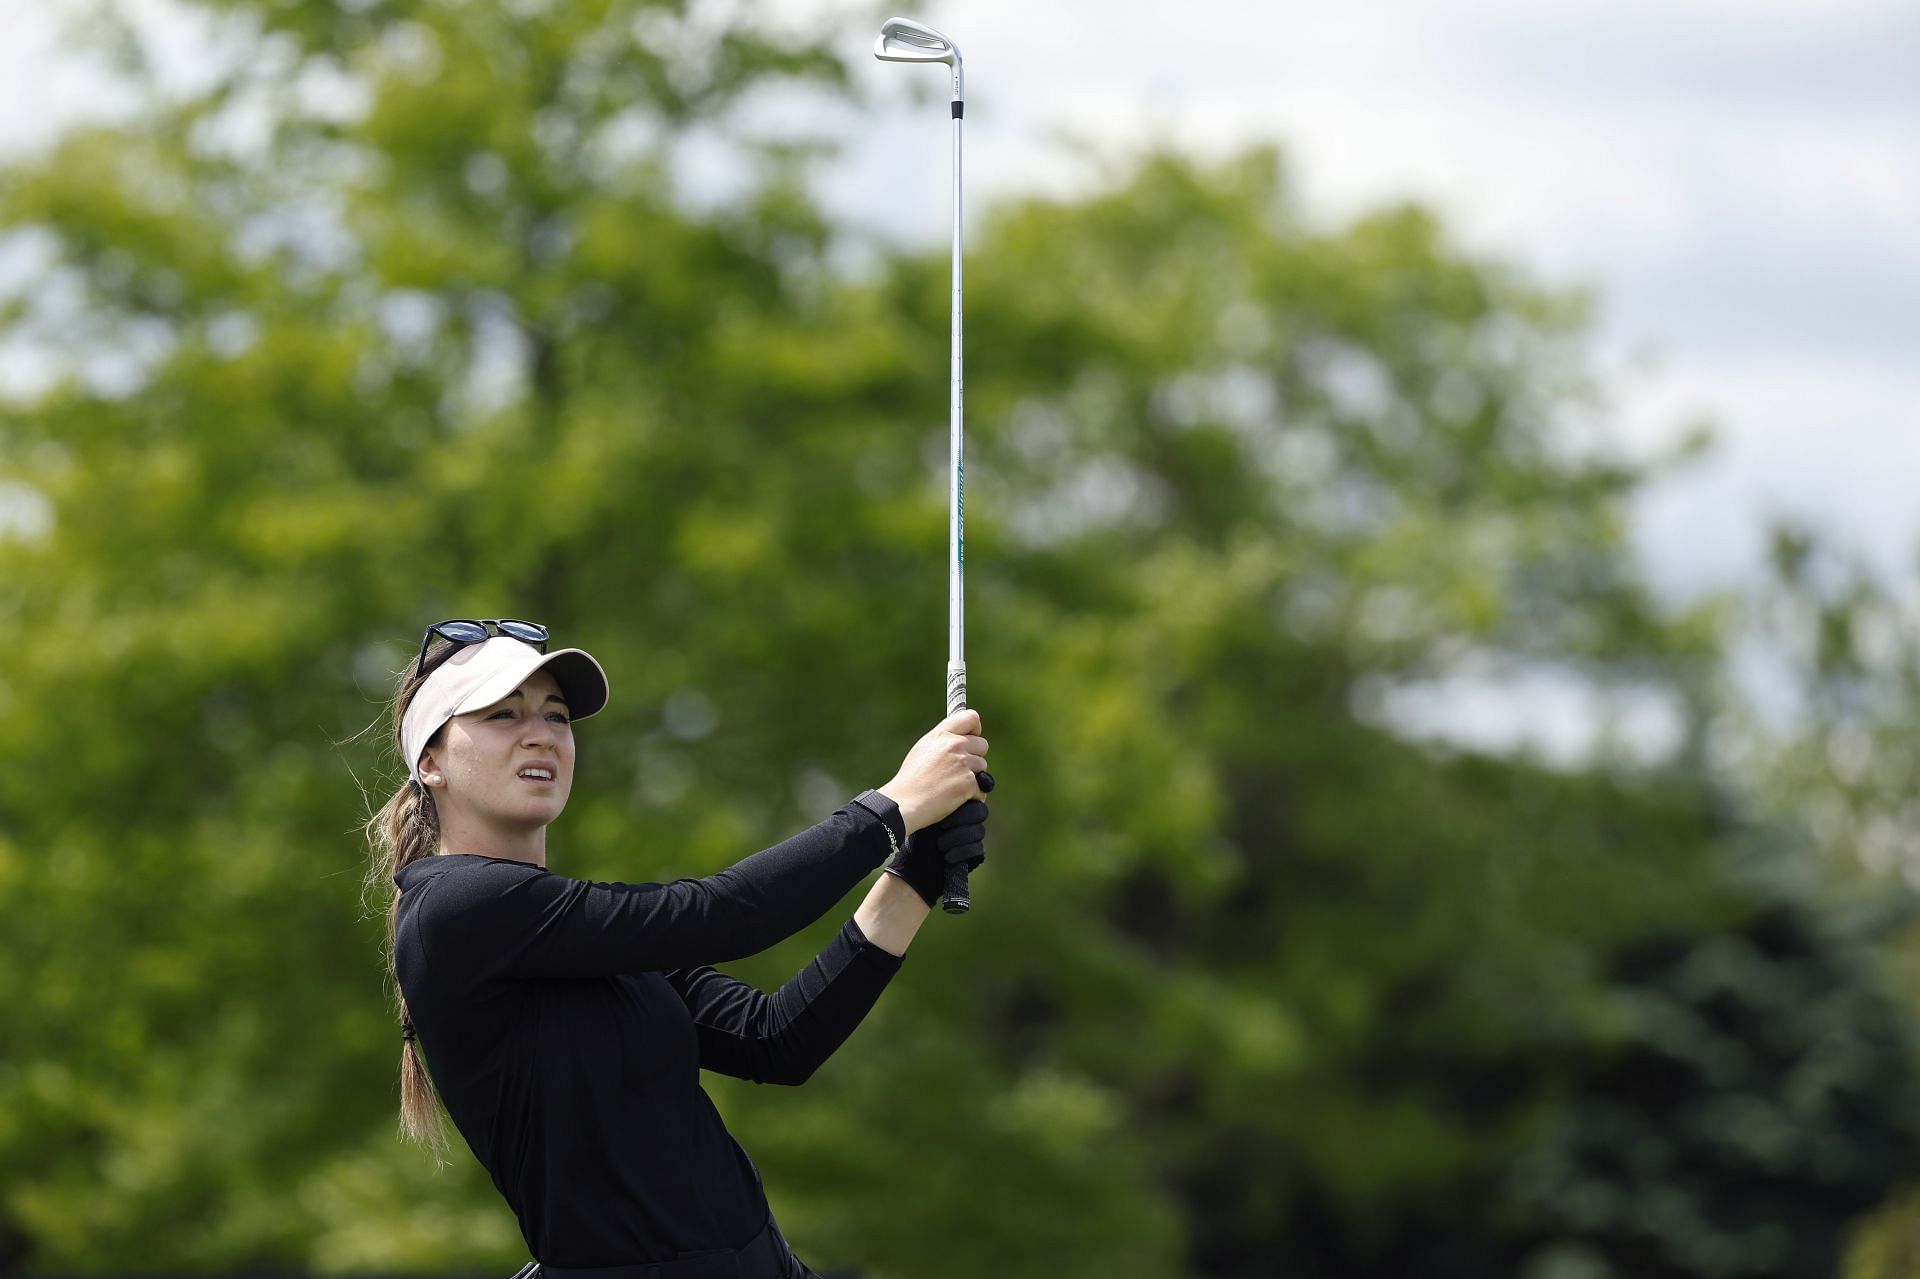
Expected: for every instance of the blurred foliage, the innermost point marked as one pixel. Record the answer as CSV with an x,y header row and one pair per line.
x,y
1830,754
406,317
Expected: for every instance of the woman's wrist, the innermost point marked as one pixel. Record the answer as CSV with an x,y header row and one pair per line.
x,y
910,817
891,913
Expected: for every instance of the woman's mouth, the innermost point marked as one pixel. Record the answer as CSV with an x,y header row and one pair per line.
x,y
538,776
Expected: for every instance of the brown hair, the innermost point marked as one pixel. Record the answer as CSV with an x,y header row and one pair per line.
x,y
407,828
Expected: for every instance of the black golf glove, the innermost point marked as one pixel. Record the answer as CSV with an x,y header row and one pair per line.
x,y
960,836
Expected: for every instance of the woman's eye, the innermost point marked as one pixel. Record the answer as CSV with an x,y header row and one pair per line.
x,y
498,714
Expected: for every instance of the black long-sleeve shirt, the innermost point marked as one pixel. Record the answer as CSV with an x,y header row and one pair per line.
x,y
565,1023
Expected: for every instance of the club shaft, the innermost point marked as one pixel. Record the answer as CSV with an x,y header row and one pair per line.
x,y
957,479
955,897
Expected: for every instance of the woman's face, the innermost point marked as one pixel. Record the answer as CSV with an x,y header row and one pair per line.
x,y
484,754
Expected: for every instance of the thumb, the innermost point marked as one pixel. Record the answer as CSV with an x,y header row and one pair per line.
x,y
964,720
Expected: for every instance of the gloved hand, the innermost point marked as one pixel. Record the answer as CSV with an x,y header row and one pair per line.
x,y
960,836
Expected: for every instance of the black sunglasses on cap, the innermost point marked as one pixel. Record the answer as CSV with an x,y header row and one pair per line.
x,y
465,631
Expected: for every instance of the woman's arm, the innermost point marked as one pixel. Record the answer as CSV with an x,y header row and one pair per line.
x,y
496,918
783,1038
891,914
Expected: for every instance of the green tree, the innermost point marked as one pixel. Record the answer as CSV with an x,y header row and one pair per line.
x,y
1253,979
1830,754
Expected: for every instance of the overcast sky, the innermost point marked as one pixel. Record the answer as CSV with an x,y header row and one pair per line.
x,y
1739,181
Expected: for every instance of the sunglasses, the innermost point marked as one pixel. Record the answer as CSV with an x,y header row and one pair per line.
x,y
463,631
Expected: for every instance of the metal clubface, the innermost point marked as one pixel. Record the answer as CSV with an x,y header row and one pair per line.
x,y
904,40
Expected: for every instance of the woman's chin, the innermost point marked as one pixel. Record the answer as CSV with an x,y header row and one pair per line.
x,y
523,809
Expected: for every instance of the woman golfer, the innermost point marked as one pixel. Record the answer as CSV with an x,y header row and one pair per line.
x,y
568,1020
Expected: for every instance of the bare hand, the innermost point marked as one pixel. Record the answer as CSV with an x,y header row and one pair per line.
x,y
941,772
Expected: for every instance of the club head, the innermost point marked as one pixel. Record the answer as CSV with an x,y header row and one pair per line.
x,y
904,40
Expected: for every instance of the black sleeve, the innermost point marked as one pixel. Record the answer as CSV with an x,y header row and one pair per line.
x,y
783,1038
506,918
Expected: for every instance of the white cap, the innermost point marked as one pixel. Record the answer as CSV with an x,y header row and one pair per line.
x,y
478,675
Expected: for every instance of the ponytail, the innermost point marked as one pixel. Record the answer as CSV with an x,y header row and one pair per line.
x,y
407,828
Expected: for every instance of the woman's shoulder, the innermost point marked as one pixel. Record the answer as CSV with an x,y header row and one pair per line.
x,y
483,859
435,865
452,883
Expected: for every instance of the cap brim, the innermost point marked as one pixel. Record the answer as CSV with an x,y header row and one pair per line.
x,y
579,676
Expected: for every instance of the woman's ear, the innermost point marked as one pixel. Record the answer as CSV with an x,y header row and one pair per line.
x,y
429,768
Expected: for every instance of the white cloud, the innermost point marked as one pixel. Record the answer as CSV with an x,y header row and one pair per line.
x,y
1552,715
1831,440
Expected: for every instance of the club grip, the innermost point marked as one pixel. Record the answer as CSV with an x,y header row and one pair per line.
x,y
954,899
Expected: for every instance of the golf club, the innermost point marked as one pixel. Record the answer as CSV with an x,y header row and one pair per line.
x,y
904,40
